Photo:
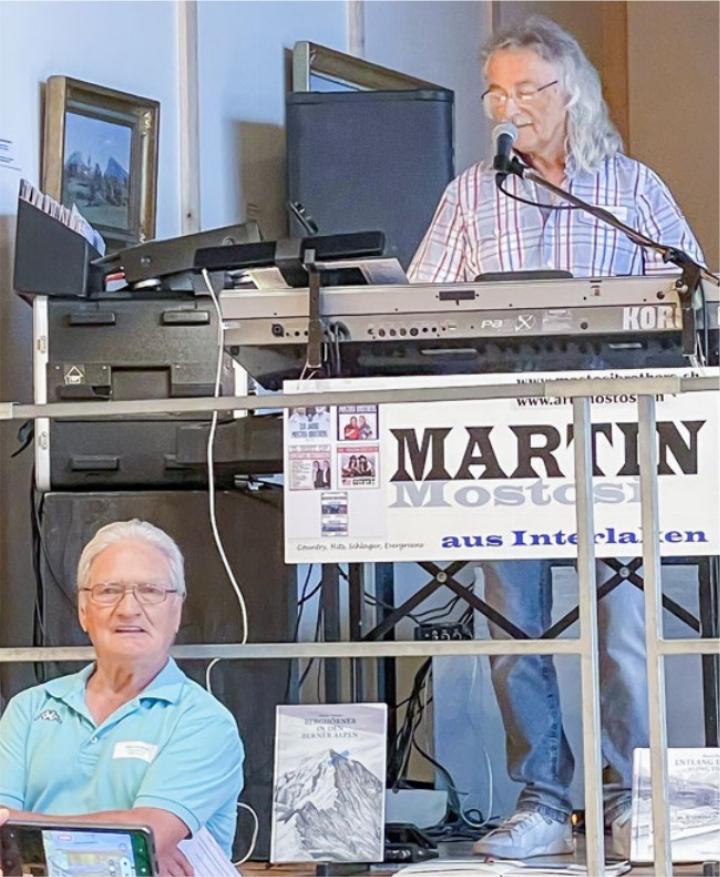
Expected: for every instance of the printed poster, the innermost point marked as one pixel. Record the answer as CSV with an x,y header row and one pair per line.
x,y
494,479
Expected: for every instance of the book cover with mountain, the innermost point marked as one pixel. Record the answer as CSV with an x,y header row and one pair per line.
x,y
329,783
693,786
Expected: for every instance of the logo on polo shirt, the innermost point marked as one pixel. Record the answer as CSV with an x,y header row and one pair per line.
x,y
50,716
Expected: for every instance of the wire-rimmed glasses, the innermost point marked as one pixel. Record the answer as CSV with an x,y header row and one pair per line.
x,y
110,593
495,100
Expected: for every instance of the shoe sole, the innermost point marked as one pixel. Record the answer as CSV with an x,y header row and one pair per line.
x,y
560,848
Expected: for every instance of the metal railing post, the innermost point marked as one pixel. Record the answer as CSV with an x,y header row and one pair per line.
x,y
647,455
589,663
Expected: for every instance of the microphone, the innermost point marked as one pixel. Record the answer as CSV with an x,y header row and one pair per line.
x,y
503,135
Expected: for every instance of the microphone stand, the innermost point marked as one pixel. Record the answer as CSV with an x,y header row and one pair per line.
x,y
688,285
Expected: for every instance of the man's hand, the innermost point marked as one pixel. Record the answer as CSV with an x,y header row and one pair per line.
x,y
173,864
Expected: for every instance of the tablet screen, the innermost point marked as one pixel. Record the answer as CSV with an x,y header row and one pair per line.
x,y
86,853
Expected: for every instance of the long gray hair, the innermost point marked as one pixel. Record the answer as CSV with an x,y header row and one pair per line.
x,y
133,531
591,136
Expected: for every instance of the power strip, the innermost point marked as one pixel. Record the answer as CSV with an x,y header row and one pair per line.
x,y
448,631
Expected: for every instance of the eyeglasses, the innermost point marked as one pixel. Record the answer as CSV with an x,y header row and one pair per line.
x,y
109,593
495,100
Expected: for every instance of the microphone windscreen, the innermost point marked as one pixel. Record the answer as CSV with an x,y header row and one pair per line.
x,y
505,128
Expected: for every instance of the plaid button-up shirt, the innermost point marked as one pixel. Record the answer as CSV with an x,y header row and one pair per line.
x,y
477,229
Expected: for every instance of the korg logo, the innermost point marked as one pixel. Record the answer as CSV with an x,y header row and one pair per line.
x,y
651,317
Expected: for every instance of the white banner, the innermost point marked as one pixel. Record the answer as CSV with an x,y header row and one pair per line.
x,y
492,479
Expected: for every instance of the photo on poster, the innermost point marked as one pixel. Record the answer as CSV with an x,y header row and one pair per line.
x,y
309,424
334,526
309,467
334,514
358,466
357,423
335,503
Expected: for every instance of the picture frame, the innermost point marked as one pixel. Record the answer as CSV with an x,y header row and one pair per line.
x,y
100,153
320,68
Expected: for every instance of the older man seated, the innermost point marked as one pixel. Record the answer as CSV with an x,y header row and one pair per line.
x,y
129,739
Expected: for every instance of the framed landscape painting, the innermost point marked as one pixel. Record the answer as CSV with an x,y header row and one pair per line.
x,y
100,155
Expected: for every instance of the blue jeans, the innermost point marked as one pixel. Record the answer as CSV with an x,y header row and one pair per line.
x,y
526,687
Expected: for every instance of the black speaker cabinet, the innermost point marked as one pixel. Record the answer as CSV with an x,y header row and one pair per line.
x,y
370,160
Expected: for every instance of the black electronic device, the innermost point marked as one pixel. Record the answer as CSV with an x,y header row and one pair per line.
x,y
169,264
52,259
444,630
406,843
290,256
141,348
510,324
370,159
51,846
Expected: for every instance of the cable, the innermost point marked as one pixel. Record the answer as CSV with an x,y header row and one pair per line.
x,y
399,750
450,603
40,552
537,203
372,600
207,673
312,593
316,638
430,618
253,840
211,464
307,377
36,523
304,597
406,740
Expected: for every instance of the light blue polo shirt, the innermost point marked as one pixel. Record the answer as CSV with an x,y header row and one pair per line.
x,y
174,747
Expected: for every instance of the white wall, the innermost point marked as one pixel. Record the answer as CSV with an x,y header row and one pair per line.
x,y
439,42
242,102
123,45
242,49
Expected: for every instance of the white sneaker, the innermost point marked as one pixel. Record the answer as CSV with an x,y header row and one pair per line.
x,y
621,835
525,834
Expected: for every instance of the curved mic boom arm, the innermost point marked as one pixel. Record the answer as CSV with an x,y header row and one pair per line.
x,y
688,284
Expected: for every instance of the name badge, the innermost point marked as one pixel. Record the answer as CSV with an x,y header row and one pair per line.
x,y
620,213
135,749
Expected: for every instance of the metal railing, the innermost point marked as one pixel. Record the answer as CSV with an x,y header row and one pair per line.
x,y
585,646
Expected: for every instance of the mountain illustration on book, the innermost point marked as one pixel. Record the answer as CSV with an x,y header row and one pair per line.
x,y
327,809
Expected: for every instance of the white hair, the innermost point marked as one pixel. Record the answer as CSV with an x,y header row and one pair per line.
x,y
136,531
591,136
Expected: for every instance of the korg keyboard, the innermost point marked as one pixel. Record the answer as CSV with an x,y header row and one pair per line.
x,y
461,328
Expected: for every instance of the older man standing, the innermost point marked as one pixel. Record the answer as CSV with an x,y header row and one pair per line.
x,y
539,79
129,739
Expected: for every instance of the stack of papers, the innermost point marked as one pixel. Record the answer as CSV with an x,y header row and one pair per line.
x,y
206,856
